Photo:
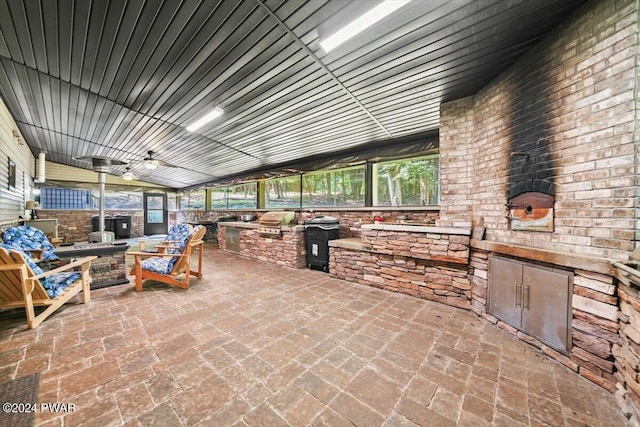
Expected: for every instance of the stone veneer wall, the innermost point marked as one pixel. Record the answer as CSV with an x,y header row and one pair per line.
x,y
109,268
627,350
447,283
430,246
428,265
288,249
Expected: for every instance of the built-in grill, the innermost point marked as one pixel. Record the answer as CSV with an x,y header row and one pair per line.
x,y
271,222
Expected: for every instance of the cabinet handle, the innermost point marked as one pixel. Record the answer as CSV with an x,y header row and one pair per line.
x,y
518,298
525,297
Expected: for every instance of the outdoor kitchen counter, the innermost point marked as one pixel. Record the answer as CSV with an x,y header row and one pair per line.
x,y
243,238
254,224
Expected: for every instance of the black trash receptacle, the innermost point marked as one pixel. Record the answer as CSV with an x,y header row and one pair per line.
x,y
122,226
318,232
108,223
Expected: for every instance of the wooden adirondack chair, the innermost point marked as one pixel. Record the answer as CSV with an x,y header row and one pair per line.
x,y
24,284
165,267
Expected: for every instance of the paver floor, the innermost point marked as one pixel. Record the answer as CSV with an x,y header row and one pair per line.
x,y
262,345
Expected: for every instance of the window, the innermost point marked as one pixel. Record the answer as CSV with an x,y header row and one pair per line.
x,y
63,198
242,196
219,198
193,200
12,174
407,182
343,187
283,192
123,200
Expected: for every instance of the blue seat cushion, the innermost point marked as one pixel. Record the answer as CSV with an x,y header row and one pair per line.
x,y
57,283
54,284
27,238
157,264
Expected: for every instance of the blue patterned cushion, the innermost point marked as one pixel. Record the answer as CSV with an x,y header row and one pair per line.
x,y
182,245
26,237
56,283
177,233
157,264
35,267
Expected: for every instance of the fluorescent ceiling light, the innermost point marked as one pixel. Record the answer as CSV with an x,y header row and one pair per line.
x,y
385,8
206,119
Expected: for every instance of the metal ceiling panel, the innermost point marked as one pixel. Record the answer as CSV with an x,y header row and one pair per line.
x,y
121,77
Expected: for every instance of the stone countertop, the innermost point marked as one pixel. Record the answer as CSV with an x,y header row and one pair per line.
x,y
354,243
83,249
255,225
418,228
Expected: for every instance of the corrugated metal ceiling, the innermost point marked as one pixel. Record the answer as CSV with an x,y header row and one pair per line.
x,y
119,78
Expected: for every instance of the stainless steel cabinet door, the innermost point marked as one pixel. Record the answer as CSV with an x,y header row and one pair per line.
x,y
505,290
545,305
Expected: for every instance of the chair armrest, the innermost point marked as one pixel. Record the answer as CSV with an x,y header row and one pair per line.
x,y
77,263
36,254
149,255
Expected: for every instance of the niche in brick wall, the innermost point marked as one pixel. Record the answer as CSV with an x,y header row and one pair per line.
x,y
530,190
531,212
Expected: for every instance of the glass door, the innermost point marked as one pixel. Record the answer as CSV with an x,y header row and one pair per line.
x,y
156,215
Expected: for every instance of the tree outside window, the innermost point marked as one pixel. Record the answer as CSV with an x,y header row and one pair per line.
x,y
407,182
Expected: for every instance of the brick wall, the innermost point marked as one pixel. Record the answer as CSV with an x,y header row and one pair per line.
x,y
564,113
456,165
77,225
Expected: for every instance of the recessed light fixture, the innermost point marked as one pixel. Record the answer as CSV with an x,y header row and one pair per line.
x,y
217,112
385,8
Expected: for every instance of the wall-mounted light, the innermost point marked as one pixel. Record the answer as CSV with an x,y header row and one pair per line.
x,y
217,112
360,24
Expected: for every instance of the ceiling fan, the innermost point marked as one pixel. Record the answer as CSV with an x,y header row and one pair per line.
x,y
152,163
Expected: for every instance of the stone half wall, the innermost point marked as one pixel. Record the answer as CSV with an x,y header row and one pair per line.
x,y
447,283
562,115
426,246
627,350
594,326
426,262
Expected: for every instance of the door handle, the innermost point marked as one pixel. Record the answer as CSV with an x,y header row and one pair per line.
x,y
525,297
518,296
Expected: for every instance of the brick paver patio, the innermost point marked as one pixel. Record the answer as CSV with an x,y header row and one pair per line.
x,y
261,345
